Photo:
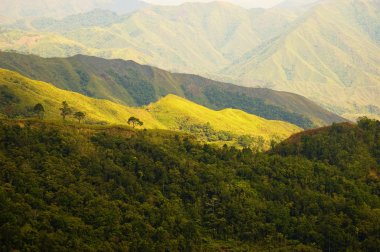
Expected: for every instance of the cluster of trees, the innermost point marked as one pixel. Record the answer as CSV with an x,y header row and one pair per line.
x,y
205,132
66,111
61,190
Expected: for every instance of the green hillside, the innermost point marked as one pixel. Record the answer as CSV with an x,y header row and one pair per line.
x,y
328,48
75,188
19,94
315,60
128,83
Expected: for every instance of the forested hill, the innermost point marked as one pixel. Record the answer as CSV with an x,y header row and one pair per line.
x,y
68,188
131,84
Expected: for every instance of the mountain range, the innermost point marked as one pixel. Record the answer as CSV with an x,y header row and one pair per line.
x,y
291,47
132,84
17,9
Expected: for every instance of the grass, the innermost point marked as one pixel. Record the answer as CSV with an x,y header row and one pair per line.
x,y
167,114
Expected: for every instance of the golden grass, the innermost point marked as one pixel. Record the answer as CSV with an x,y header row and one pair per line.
x,y
167,113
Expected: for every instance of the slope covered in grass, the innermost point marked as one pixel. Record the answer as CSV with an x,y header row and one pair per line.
x,y
175,111
19,94
129,83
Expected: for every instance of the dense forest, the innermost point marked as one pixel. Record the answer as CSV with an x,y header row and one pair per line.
x,y
66,187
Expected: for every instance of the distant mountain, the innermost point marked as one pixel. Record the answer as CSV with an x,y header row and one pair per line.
x,y
19,94
129,83
329,55
17,9
316,49
291,4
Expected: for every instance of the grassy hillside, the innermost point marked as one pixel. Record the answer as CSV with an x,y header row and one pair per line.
x,y
19,94
128,83
175,112
73,188
314,60
317,51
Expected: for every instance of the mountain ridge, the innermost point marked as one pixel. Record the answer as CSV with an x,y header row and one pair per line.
x,y
132,84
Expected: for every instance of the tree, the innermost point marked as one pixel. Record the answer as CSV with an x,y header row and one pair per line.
x,y
39,110
135,122
65,110
79,116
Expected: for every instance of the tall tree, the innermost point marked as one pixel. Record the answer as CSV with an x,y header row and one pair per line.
x,y
65,110
79,116
39,110
135,122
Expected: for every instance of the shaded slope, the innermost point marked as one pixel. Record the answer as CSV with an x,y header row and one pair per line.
x,y
129,83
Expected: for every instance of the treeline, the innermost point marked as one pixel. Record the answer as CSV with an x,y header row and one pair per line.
x,y
64,189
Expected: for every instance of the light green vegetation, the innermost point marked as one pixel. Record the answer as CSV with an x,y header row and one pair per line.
x,y
19,94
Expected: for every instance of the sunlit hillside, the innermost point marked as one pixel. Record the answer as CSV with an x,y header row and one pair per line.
x,y
131,84
19,94
173,111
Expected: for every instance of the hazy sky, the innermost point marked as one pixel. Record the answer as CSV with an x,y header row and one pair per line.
x,y
245,3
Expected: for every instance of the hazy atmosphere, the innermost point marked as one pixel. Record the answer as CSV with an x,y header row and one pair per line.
x,y
244,3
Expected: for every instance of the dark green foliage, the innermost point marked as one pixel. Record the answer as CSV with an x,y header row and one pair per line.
x,y
84,77
39,110
8,102
79,116
117,190
65,110
140,90
135,122
7,97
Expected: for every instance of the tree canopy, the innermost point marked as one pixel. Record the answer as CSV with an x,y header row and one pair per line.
x,y
79,116
135,122
114,189
65,110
